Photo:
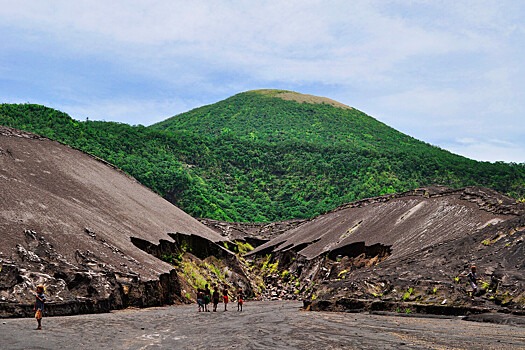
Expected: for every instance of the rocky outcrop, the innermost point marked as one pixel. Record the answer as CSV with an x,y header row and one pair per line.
x,y
66,221
86,285
434,279
201,249
412,249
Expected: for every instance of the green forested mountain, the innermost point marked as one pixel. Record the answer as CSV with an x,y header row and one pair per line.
x,y
268,155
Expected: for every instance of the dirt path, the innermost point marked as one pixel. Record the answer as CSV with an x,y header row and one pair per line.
x,y
262,325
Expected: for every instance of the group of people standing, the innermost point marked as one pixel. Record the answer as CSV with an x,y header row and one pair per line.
x,y
205,296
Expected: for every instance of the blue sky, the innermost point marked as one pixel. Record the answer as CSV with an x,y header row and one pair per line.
x,y
450,73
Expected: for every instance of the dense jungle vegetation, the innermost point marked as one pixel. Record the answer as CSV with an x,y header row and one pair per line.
x,y
255,157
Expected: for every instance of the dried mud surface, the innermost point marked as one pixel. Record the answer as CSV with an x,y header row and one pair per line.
x,y
262,325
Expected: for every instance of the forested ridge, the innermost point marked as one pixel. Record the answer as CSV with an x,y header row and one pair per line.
x,y
256,157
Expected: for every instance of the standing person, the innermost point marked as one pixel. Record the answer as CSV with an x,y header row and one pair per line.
x,y
200,299
473,279
240,299
225,296
40,299
207,298
215,297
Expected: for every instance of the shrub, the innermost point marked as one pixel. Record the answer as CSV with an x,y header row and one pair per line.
x,y
244,247
407,294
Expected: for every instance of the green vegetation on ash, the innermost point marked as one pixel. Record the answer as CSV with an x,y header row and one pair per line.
x,y
255,157
408,294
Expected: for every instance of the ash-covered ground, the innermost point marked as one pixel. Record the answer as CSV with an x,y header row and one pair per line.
x,y
262,325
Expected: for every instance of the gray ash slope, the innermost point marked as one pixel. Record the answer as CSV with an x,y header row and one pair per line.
x,y
404,222
67,220
414,247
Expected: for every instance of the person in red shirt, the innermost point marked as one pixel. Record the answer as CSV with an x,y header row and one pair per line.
x,y
225,297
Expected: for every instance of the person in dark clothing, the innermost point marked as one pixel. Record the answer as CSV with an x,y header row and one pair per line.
x,y
200,299
215,297
240,299
473,279
207,298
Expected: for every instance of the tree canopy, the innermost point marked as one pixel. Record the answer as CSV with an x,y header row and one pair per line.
x,y
255,157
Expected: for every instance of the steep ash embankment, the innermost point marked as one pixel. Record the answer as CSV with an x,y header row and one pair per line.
x,y
75,224
415,247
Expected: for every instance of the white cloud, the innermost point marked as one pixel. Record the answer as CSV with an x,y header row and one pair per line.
x,y
296,40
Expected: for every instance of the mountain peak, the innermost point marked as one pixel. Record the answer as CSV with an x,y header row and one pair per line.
x,y
298,97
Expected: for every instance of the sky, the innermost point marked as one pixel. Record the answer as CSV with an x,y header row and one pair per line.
x,y
450,73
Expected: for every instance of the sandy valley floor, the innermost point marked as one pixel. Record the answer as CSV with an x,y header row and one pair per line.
x,y
262,325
